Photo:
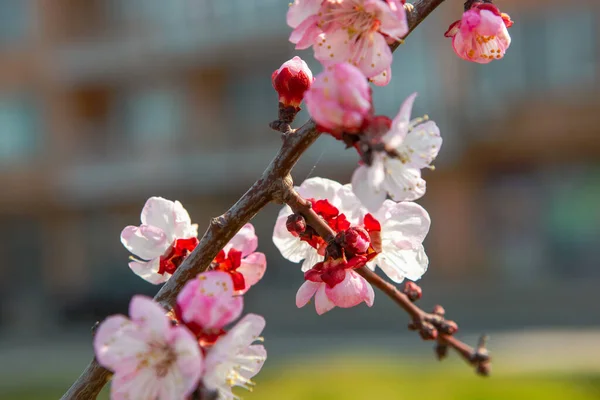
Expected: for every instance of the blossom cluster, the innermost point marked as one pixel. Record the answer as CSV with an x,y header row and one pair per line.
x,y
390,238
371,222
155,354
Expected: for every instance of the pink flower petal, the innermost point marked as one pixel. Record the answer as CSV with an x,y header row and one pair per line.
x,y
253,268
209,302
245,240
352,291
307,33
116,343
149,315
372,54
306,292
300,10
189,358
383,78
322,302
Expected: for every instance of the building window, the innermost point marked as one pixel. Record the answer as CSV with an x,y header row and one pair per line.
x,y
19,134
571,47
153,114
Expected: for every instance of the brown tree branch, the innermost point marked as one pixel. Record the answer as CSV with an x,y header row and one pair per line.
x,y
269,187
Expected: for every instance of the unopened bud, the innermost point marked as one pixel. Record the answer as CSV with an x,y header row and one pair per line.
x,y
291,80
412,291
438,310
448,327
428,331
295,224
354,240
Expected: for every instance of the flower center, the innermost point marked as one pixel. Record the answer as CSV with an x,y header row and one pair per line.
x,y
353,17
160,356
175,255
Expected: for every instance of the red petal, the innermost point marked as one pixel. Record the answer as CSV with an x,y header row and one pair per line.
x,y
334,276
371,224
239,283
235,256
325,209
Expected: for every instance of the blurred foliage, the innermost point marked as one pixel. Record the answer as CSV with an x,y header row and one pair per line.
x,y
368,378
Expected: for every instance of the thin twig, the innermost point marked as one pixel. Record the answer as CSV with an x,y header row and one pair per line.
x,y
268,188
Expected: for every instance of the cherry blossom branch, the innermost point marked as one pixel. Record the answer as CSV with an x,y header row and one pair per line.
x,y
270,187
431,326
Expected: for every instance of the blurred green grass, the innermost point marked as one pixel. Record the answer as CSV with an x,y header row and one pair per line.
x,y
366,378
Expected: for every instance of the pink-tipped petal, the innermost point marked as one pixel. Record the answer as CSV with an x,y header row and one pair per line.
x,y
322,302
146,242
253,268
306,292
245,240
353,290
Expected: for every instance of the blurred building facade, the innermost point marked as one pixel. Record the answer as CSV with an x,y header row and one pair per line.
x,y
104,103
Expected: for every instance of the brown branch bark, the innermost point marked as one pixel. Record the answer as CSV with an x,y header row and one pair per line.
x,y
269,187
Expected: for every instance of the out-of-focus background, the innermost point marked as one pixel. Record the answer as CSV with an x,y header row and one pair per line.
x,y
104,103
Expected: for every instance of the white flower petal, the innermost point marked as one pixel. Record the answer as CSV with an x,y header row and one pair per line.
x,y
146,242
291,247
368,195
404,221
312,258
400,123
149,271
402,183
319,189
421,145
399,264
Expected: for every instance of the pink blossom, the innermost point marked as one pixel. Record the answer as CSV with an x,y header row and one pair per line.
x,y
406,146
233,360
334,283
390,238
481,35
339,99
355,31
165,237
241,261
150,358
207,304
291,80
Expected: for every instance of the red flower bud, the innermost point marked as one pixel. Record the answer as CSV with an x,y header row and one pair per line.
x,y
355,240
296,224
291,80
412,291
